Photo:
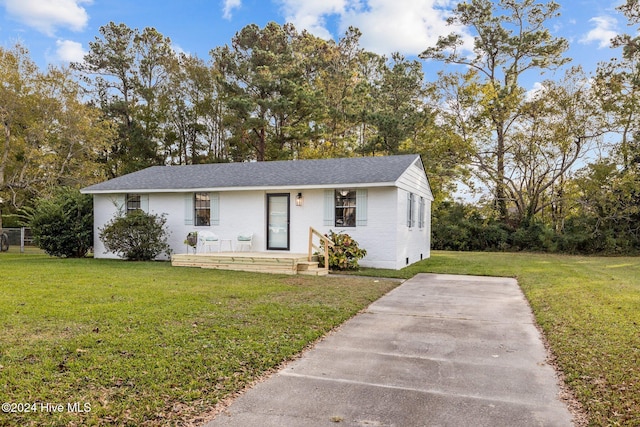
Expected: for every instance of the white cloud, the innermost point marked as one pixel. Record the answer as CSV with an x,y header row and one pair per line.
x,y
536,91
311,15
69,51
178,49
47,15
228,7
405,26
603,32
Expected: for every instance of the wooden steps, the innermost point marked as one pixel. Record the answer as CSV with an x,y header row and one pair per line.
x,y
260,262
311,269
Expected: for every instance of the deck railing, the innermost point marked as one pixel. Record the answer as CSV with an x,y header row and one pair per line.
x,y
324,249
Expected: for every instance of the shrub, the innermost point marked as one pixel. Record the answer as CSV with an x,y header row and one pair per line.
x,y
534,236
136,236
345,253
460,227
62,225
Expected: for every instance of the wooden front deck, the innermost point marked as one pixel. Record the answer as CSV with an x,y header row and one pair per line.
x,y
261,262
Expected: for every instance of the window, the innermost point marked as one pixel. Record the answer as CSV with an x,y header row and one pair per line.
x,y
134,203
421,214
411,206
202,209
340,208
345,203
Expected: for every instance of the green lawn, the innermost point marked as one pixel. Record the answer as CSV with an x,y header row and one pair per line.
x,y
147,344
589,309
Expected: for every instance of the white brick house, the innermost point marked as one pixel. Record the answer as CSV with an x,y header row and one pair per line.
x,y
382,202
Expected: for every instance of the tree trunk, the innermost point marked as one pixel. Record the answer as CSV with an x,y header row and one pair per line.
x,y
3,163
501,194
262,145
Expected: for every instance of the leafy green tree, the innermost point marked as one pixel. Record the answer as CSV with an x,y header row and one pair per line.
x,y
62,225
152,78
50,136
269,102
195,132
444,157
556,129
136,236
332,71
609,214
17,72
510,39
631,9
617,86
401,110
343,74
108,70
127,72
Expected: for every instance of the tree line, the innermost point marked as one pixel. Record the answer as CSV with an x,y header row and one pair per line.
x,y
559,164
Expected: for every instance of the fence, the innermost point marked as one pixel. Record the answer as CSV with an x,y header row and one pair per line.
x,y
19,237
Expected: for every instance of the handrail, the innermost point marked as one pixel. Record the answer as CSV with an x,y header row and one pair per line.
x,y
325,249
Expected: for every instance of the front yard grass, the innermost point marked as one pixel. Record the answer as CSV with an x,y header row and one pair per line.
x,y
106,342
148,344
589,310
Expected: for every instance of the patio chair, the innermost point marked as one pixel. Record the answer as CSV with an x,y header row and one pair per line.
x,y
207,239
244,239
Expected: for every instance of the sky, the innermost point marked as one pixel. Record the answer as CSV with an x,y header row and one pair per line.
x,y
59,31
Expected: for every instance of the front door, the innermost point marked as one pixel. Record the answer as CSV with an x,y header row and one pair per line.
x,y
278,221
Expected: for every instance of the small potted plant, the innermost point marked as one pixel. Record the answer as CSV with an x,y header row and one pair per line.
x,y
192,240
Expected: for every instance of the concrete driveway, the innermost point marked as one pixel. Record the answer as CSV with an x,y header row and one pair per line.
x,y
439,350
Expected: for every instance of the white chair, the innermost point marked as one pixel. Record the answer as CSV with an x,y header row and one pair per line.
x,y
207,239
244,239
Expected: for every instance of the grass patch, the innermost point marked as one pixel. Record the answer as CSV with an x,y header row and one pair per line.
x,y
589,310
148,344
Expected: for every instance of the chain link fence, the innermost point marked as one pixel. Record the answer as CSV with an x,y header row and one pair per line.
x,y
17,239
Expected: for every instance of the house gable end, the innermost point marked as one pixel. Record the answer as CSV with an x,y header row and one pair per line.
x,y
414,180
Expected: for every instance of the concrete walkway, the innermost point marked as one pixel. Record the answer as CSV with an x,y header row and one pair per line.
x,y
439,350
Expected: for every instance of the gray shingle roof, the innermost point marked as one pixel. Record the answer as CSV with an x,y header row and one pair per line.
x,y
303,173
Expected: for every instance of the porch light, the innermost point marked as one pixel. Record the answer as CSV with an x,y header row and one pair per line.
x,y
299,199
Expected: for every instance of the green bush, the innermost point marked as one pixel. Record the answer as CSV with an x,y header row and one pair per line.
x,y
460,227
62,225
136,236
345,253
535,236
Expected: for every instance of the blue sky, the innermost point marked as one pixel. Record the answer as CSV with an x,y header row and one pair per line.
x,y
58,31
